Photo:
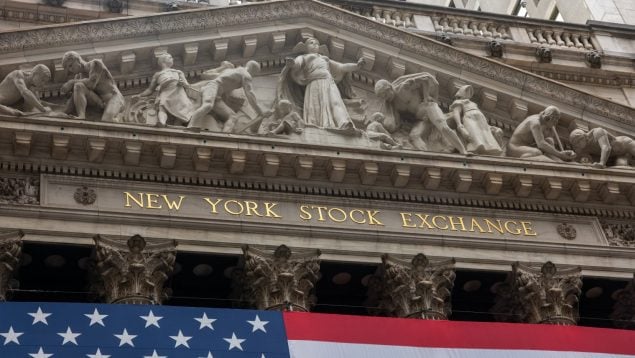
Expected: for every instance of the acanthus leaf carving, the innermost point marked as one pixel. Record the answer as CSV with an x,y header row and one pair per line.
x,y
10,253
539,295
133,271
281,280
419,288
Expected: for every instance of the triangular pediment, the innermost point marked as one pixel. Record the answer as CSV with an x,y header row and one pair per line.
x,y
252,29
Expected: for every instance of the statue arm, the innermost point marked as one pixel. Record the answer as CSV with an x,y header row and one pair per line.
x,y
28,95
153,85
541,142
602,138
183,80
251,96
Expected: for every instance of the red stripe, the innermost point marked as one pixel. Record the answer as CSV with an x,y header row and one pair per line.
x,y
451,334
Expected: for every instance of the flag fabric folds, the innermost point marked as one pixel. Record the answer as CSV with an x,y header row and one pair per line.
x,y
74,330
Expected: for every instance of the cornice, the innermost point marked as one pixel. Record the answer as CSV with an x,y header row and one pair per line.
x,y
171,156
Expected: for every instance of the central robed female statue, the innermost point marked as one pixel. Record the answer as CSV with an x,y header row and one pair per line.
x,y
310,83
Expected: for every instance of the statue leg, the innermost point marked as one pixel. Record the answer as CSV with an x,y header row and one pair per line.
x,y
79,99
163,117
10,111
113,107
222,110
208,99
416,136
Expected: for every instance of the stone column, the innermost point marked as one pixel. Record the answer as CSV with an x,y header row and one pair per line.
x,y
539,295
419,288
10,252
133,271
281,280
623,314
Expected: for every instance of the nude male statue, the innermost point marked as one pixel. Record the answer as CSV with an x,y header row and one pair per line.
x,y
212,94
529,141
93,84
598,141
18,85
416,94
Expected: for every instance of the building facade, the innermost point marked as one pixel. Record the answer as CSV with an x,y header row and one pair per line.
x,y
353,157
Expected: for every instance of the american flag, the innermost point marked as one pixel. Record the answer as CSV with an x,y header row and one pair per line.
x,y
72,330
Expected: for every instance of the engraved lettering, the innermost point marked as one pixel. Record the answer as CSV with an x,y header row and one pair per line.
x,y
454,224
434,222
304,213
131,197
527,228
356,220
371,217
173,204
213,204
152,201
491,225
251,206
269,210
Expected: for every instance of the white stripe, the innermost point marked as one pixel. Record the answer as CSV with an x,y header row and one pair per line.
x,y
315,349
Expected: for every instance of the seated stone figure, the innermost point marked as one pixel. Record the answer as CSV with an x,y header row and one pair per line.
x,y
598,142
286,121
529,141
171,97
416,95
18,86
472,124
376,131
93,84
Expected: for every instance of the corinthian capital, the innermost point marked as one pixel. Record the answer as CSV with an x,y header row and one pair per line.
x,y
10,251
419,288
623,314
133,271
539,295
281,280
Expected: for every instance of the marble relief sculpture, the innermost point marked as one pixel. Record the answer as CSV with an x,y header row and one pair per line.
x,y
216,96
19,85
171,98
309,81
415,96
472,124
597,142
93,85
535,137
375,130
285,121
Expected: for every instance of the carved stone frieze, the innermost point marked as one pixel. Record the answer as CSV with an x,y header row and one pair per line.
x,y
419,288
623,314
19,190
281,280
620,234
85,195
539,295
133,271
10,252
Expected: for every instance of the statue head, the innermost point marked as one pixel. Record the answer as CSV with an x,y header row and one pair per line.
x,y
253,67
312,45
165,60
40,75
136,244
550,116
384,90
283,107
377,117
465,92
72,62
577,137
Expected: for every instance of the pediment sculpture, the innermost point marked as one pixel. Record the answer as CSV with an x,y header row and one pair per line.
x,y
314,99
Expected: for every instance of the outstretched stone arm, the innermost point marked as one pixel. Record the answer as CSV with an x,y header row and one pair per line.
x,y
153,85
251,96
